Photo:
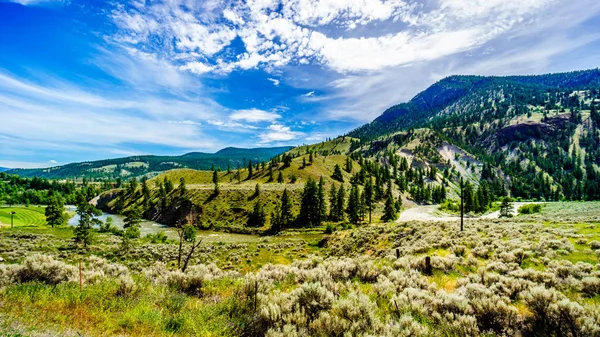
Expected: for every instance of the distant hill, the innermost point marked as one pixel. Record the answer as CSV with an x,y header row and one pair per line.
x,y
2,169
150,165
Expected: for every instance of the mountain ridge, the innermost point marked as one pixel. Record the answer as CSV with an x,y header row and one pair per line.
x,y
147,164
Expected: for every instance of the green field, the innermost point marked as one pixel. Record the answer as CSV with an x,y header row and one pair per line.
x,y
24,216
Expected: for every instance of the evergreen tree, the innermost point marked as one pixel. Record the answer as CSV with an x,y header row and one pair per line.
x,y
337,173
55,212
353,208
333,203
506,207
215,179
310,212
270,172
257,190
182,188
322,202
282,217
133,217
168,185
87,219
389,211
340,204
250,173
280,178
369,197
258,217
348,164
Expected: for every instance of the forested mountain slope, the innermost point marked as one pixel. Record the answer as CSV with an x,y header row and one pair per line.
x,y
542,132
141,165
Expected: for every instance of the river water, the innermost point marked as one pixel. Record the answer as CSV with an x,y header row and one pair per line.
x,y
151,227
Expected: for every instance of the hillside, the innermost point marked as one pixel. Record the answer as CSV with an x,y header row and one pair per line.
x,y
542,132
136,166
230,208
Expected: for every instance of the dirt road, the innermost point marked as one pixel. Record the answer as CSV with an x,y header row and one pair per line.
x,y
428,213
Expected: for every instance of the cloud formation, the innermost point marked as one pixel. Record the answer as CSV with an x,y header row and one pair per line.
x,y
343,35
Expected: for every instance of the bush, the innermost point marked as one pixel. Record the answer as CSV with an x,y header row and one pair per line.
x,y
44,269
530,209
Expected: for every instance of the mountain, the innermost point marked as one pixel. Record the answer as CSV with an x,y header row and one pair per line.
x,y
151,165
542,132
2,169
461,90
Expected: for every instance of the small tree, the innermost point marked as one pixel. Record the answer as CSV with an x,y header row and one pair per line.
x,y
280,178
337,173
182,187
87,219
258,217
283,217
215,179
55,212
348,167
369,197
506,207
186,231
353,208
389,212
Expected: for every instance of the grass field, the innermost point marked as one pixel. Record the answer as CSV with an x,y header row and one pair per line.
x,y
24,216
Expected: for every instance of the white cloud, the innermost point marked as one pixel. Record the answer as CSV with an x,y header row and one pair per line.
x,y
53,162
63,115
274,80
278,133
309,94
276,33
38,2
254,115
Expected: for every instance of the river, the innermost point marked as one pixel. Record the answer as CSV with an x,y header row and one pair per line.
x,y
151,227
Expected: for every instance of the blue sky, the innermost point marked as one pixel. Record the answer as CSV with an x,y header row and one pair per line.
x,y
86,80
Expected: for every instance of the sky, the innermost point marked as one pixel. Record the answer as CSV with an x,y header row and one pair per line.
x,y
83,80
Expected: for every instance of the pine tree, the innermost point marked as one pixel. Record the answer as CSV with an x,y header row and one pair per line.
x,y
340,204
87,219
348,165
270,172
353,208
215,179
337,173
322,202
55,212
506,207
258,217
310,213
389,211
250,170
280,178
283,217
131,224
182,188
333,203
369,197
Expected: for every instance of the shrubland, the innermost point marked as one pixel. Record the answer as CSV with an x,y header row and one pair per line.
x,y
499,277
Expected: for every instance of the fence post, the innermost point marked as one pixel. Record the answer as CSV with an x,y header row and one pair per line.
x,y
428,265
80,276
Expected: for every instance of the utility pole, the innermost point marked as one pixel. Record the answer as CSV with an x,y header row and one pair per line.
x,y
11,219
462,209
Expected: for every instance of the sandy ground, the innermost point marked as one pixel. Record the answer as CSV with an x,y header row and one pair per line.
x,y
428,213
